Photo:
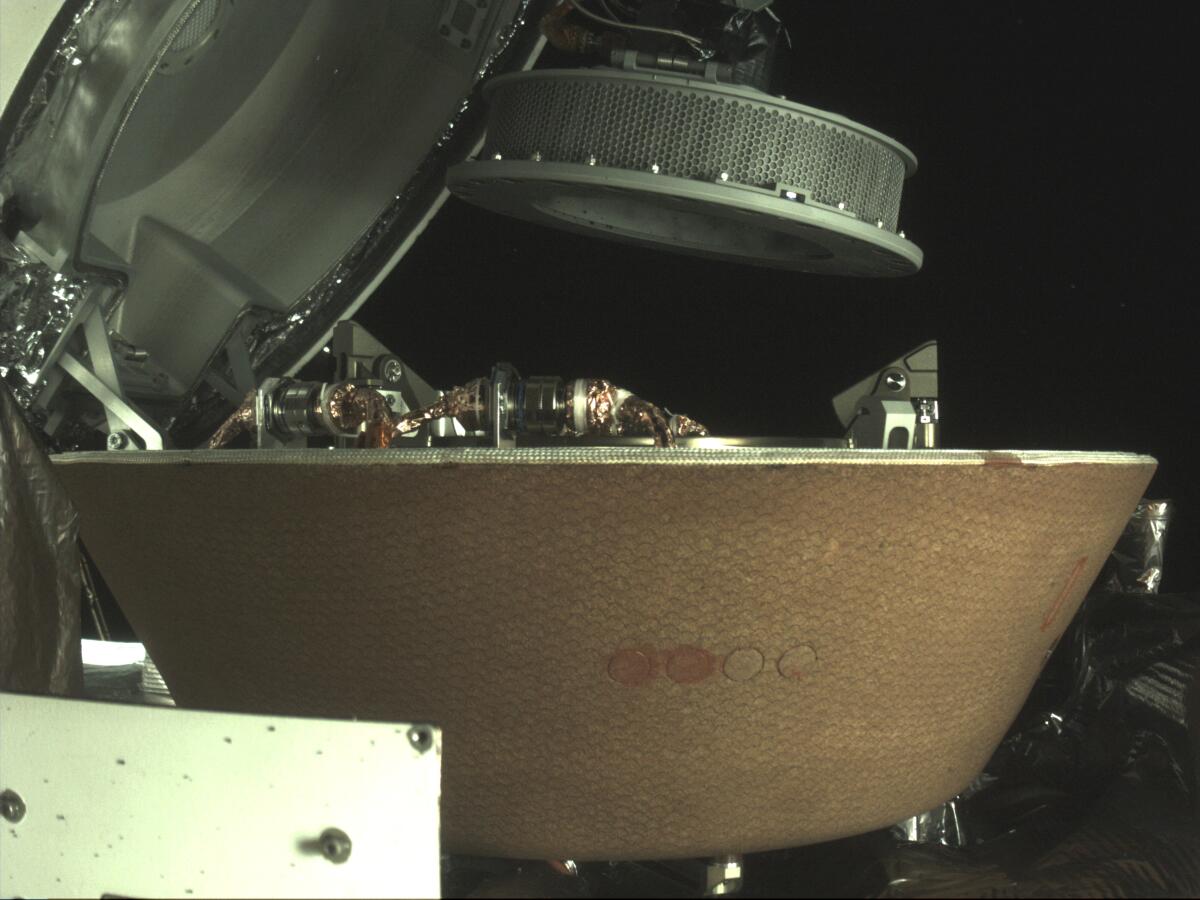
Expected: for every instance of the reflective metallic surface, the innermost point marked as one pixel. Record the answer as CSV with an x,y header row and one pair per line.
x,y
251,168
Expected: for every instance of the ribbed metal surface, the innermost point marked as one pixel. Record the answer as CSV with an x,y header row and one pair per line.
x,y
694,130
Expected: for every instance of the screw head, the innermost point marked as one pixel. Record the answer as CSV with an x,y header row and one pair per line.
x,y
895,381
655,168
421,738
12,807
591,160
724,176
537,156
902,235
497,156
335,845
117,441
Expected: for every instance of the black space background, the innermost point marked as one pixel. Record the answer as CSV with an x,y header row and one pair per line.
x,y
1054,203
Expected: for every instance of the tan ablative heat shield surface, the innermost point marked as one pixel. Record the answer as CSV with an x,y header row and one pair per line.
x,y
634,652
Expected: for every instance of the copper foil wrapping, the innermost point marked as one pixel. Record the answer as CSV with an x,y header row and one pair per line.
x,y
464,403
602,402
636,416
351,407
683,426
573,37
244,418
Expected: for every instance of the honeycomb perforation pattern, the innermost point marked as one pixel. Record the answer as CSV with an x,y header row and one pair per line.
x,y
495,597
692,132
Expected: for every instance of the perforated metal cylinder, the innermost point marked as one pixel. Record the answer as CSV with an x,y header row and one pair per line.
x,y
698,130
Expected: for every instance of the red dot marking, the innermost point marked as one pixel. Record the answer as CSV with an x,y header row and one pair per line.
x,y
690,665
629,667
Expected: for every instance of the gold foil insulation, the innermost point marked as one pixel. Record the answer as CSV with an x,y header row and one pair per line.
x,y
592,407
241,419
608,410
636,416
466,403
574,37
684,426
362,410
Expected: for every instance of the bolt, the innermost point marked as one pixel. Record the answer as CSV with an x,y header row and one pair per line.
x,y
537,156
117,441
591,160
895,381
497,156
654,167
335,845
902,233
392,370
421,738
391,401
841,204
879,223
724,176
12,807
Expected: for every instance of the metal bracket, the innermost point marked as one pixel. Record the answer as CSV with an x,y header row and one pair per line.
x,y
101,380
896,407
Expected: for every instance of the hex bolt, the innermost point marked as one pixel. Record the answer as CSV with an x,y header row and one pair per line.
x,y
335,845
895,381
421,738
117,441
12,807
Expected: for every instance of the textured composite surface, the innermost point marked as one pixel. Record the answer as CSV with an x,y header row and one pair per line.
x,y
629,658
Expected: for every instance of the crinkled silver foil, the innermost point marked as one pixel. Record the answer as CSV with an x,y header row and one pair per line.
x,y
35,301
35,306
1136,563
34,128
291,333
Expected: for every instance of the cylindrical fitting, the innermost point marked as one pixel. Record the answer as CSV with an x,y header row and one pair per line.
x,y
539,406
295,410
